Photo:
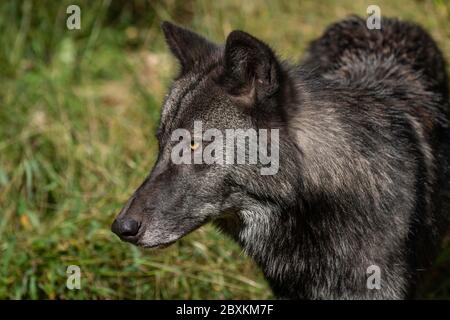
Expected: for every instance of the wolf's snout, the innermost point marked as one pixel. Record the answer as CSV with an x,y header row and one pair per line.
x,y
125,227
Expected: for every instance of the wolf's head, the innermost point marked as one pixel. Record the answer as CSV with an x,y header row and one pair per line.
x,y
219,88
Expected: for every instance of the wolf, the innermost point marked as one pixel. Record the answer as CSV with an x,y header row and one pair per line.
x,y
363,178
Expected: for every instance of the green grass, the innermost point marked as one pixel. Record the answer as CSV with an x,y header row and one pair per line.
x,y
78,111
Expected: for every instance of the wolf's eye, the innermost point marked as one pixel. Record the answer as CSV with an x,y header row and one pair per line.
x,y
194,145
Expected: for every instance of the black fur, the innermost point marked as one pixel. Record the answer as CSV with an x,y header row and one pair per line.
x,y
364,150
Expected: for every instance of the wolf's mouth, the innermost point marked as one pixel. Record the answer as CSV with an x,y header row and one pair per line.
x,y
157,246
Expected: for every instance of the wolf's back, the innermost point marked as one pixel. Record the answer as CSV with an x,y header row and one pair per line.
x,y
407,42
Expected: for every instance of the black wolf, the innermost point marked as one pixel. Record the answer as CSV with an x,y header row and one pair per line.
x,y
363,173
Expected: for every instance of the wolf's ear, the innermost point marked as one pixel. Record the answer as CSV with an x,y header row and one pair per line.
x,y
189,47
252,71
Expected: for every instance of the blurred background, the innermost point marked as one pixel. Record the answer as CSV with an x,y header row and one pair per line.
x,y
78,111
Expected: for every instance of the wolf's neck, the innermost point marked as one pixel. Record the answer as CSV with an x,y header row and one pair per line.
x,y
272,238
303,258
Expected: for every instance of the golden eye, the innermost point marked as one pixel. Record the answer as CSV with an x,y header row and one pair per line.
x,y
194,145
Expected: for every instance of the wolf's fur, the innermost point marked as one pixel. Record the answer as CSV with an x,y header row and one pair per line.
x,y
364,150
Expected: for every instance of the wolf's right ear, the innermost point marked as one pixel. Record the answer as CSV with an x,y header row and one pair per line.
x,y
190,48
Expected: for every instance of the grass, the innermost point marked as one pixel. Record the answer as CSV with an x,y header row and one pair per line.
x,y
78,111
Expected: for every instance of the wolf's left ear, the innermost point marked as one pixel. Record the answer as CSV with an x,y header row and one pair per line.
x,y
252,71
189,47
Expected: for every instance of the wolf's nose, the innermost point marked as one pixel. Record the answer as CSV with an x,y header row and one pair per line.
x,y
125,227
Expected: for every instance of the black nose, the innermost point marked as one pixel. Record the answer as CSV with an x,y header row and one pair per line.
x,y
125,227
